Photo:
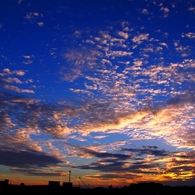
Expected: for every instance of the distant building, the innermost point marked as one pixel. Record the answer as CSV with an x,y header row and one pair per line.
x,y
54,183
67,184
146,187
4,183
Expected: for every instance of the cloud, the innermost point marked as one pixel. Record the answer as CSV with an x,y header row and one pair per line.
x,y
27,159
120,110
140,38
40,24
165,9
12,88
44,172
123,34
129,159
147,150
13,80
192,9
29,113
7,71
118,53
104,154
188,97
79,62
164,44
142,164
28,59
138,62
145,11
100,137
19,72
17,89
32,15
190,35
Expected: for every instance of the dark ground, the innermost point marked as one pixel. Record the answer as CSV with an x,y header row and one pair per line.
x,y
133,189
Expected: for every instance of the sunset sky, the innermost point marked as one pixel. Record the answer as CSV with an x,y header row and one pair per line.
x,y
104,88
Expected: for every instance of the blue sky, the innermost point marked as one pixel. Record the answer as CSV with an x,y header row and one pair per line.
x,y
102,88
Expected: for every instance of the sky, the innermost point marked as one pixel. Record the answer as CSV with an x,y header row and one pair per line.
x,y
103,88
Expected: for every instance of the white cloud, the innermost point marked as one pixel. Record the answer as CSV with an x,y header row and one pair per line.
x,y
119,53
17,89
19,72
164,44
40,24
190,35
140,38
138,62
123,34
165,9
32,15
145,11
7,70
12,80
192,9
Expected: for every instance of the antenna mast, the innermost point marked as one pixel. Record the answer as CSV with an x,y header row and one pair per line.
x,y
69,175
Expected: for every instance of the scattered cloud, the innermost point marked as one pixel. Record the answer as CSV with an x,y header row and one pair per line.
x,y
145,11
140,38
12,80
123,34
32,15
7,71
190,35
192,9
80,61
164,9
17,89
19,72
40,24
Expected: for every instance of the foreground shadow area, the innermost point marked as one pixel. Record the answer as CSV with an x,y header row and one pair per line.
x,y
134,189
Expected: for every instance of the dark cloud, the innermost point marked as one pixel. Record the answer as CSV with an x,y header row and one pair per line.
x,y
38,172
122,166
188,97
133,162
152,150
27,159
105,154
106,167
28,113
25,112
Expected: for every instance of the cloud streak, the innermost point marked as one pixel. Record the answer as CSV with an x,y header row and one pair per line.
x,y
27,159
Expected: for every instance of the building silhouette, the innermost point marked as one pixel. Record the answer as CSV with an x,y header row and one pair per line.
x,y
4,183
54,183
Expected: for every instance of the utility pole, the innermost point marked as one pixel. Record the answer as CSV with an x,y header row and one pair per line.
x,y
69,175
